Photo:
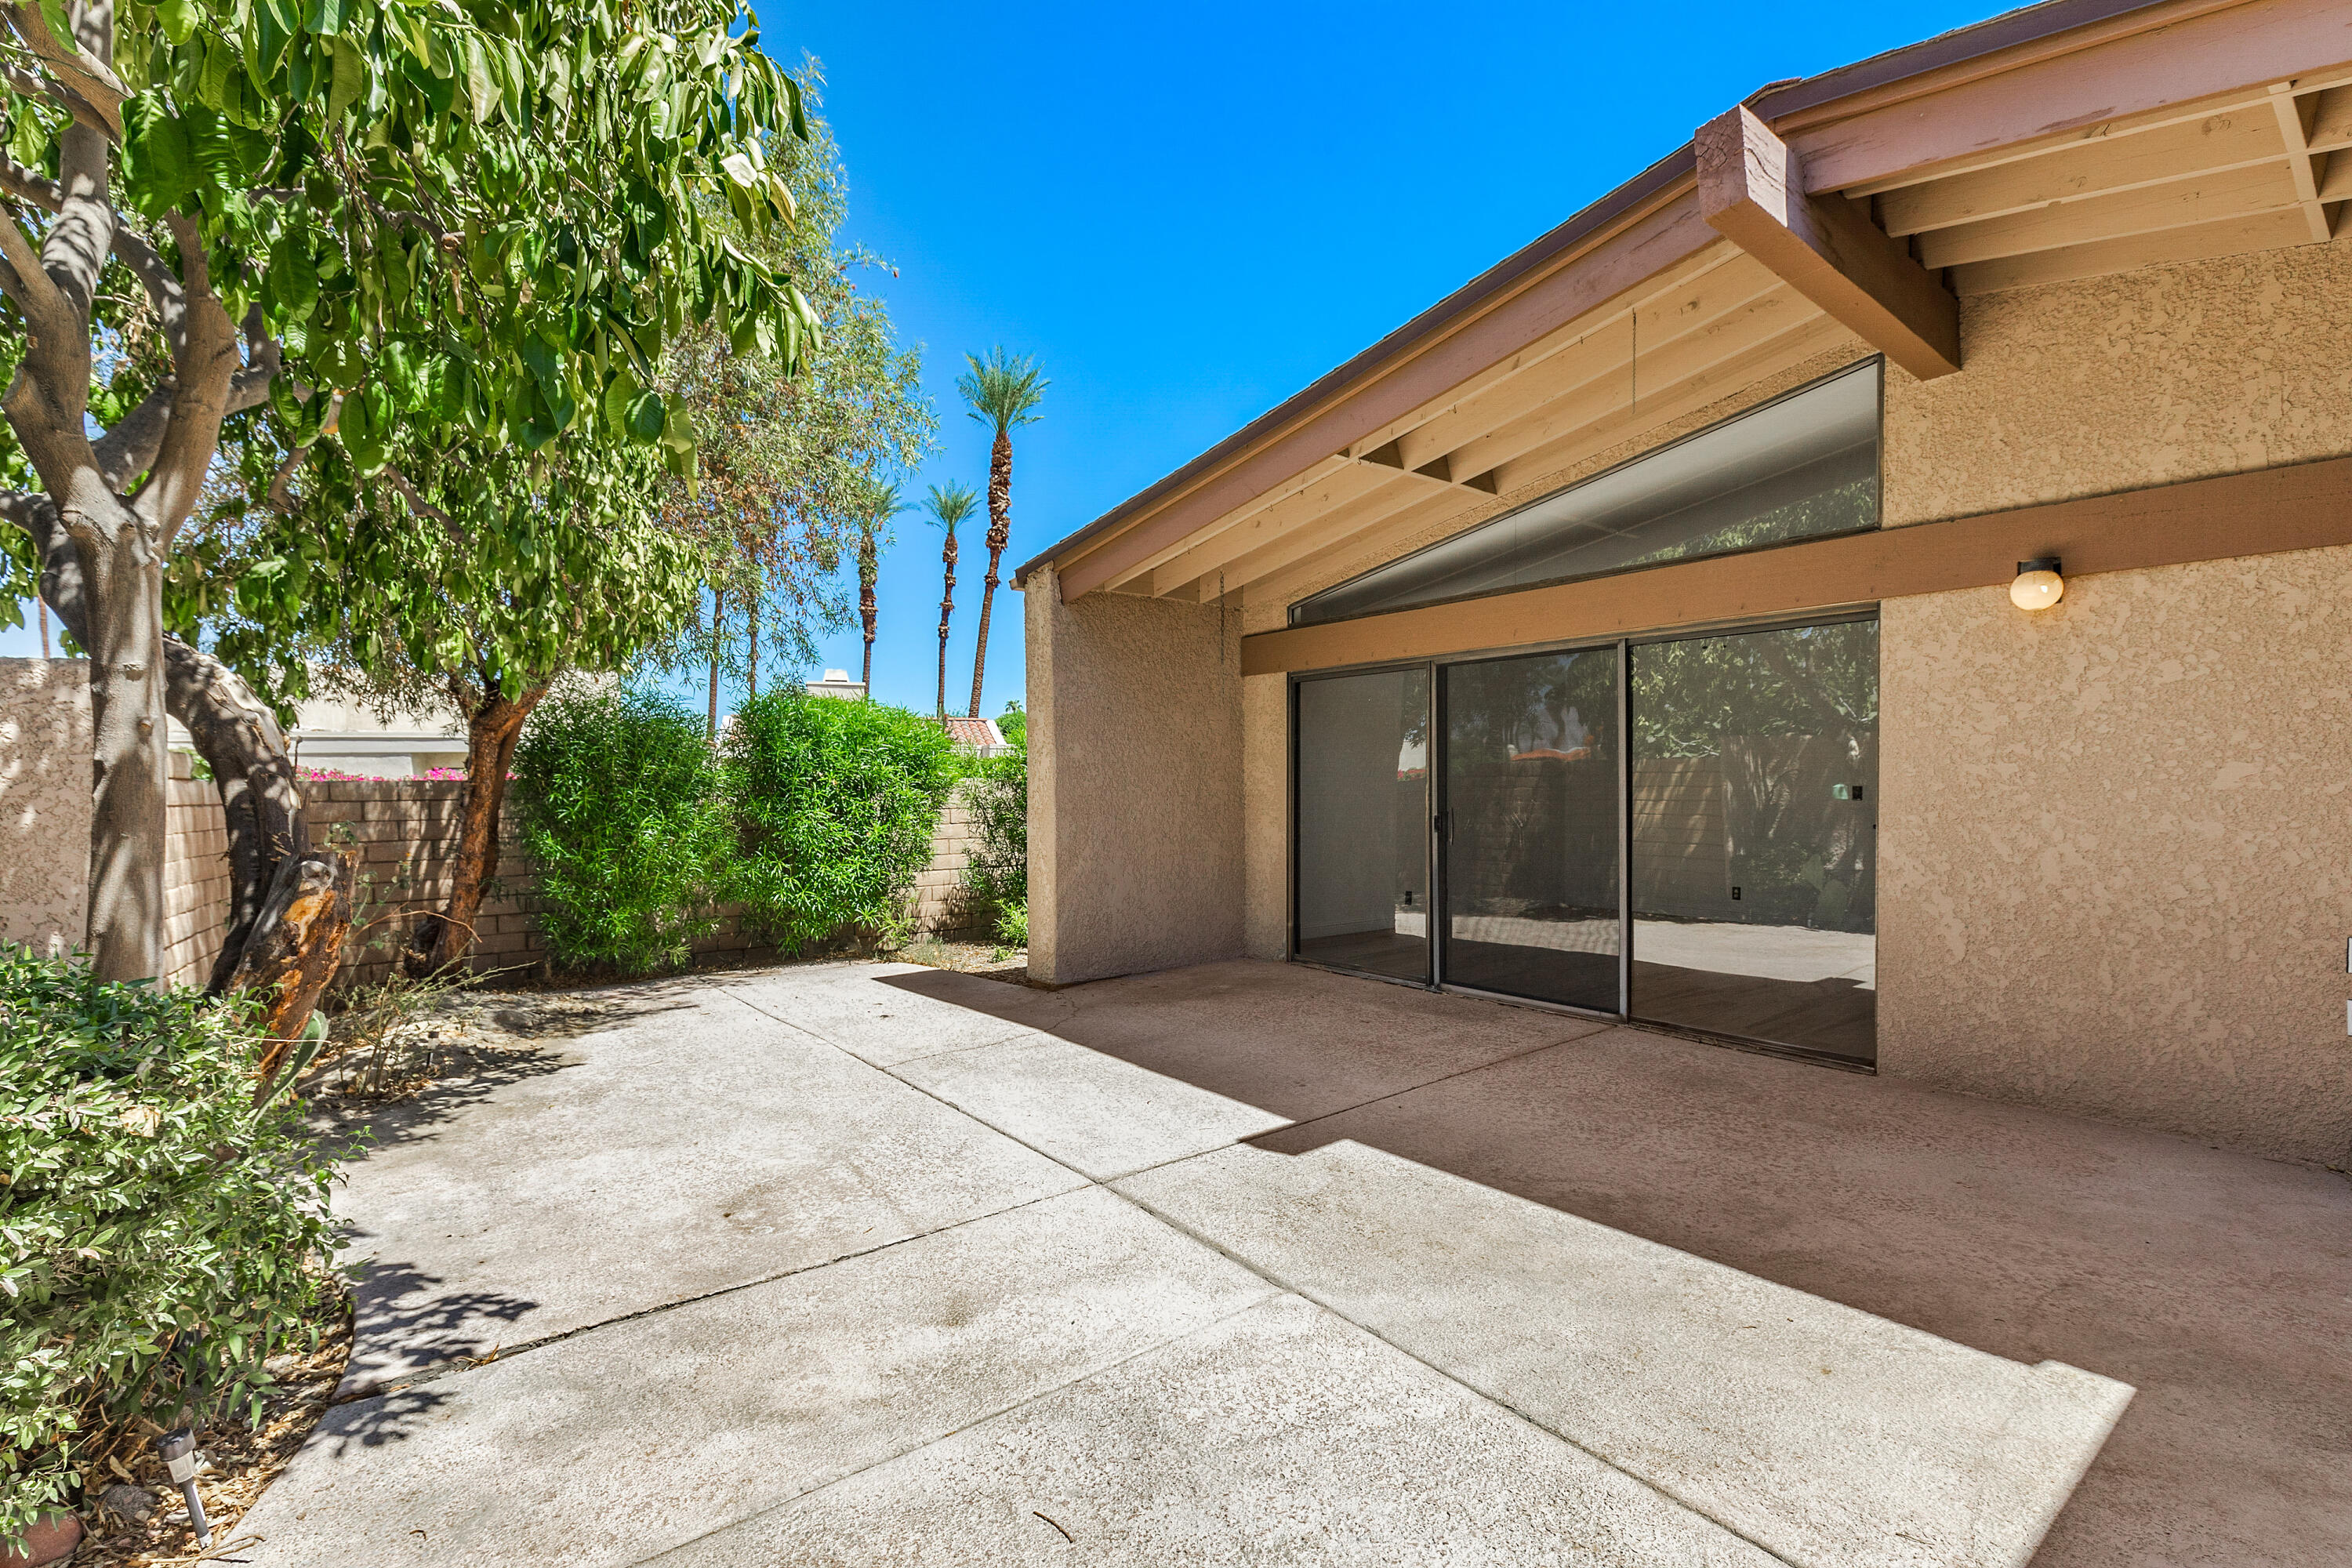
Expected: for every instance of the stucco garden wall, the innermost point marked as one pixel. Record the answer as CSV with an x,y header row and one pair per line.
x,y
45,786
1134,783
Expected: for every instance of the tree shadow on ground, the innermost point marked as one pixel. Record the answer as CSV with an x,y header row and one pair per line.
x,y
404,1328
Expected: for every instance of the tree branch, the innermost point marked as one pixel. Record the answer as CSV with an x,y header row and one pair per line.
x,y
203,366
130,449
76,245
81,81
424,508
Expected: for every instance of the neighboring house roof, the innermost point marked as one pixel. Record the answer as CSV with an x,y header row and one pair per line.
x,y
2067,139
966,731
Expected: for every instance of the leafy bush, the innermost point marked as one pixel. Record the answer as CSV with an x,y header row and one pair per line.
x,y
1013,924
997,872
622,811
159,1236
835,803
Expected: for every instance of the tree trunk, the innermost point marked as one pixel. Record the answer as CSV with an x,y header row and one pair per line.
x,y
717,603
491,730
946,608
124,615
1000,534
754,665
238,737
297,944
869,571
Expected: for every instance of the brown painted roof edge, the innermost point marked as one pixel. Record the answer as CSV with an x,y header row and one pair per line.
x,y
2010,29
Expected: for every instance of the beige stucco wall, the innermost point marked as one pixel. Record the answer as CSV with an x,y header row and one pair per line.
x,y
2141,378
45,786
1265,815
2117,849
1134,783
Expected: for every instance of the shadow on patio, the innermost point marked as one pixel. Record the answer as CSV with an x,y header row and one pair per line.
x,y
2212,1282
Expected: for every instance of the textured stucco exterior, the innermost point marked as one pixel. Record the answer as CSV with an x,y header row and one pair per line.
x,y
1134,783
45,784
2118,383
1266,825
2117,849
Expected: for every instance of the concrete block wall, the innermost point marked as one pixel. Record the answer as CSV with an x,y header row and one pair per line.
x,y
195,876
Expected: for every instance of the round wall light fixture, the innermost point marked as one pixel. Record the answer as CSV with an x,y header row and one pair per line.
x,y
2038,585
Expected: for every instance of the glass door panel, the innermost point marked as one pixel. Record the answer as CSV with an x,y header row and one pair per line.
x,y
1363,822
1531,802
1755,828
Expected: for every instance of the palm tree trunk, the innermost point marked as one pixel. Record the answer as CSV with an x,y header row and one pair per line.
x,y
1000,533
869,571
946,608
718,604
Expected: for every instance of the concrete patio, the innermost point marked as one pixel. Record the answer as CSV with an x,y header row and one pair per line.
x,y
1252,1262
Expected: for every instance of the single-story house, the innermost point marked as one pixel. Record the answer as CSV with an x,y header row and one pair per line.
x,y
1876,586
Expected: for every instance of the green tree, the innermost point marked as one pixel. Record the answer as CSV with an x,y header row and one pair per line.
x,y
1002,391
786,464
479,582
352,220
949,506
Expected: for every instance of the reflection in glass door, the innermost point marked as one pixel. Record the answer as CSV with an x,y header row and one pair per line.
x,y
1363,822
1531,822
1754,843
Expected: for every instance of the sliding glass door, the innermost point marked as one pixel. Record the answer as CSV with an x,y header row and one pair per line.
x,y
1363,822
1683,831
1530,830
1754,829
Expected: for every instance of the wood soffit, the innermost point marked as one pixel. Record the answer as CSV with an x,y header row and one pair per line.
x,y
2303,507
2067,141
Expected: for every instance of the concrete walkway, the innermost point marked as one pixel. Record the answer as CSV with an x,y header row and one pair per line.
x,y
1254,1264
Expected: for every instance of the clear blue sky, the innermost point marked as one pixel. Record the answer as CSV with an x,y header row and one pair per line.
x,y
1189,213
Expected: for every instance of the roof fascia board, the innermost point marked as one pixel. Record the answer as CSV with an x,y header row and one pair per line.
x,y
1967,54
1652,239
1668,177
2215,51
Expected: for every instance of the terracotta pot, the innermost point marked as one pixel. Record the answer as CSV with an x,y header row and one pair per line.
x,y
51,1539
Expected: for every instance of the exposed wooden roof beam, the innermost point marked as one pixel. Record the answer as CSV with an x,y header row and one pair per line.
x,y
2295,116
2176,203
1751,191
2234,139
1724,377
2274,230
2158,64
2331,121
1361,481
1398,515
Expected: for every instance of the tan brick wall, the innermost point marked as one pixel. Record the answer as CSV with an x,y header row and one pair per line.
x,y
195,876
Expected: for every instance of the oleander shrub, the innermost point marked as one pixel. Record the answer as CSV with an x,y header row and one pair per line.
x,y
160,1236
622,811
835,805
996,872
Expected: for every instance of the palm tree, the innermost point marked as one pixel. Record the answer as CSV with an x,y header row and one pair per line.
x,y
885,506
1002,391
948,508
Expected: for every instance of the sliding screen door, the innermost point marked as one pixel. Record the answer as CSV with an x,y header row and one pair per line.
x,y
1531,810
1363,822
1754,847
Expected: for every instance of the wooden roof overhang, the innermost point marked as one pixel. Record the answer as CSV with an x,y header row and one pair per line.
x,y
1853,210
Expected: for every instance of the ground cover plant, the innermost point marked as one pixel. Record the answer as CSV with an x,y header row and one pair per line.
x,y
162,1235
623,815
835,803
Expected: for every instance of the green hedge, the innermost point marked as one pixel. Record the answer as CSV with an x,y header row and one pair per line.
x,y
160,1237
623,810
835,803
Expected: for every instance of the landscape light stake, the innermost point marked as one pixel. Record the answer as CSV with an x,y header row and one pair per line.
x,y
178,1452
